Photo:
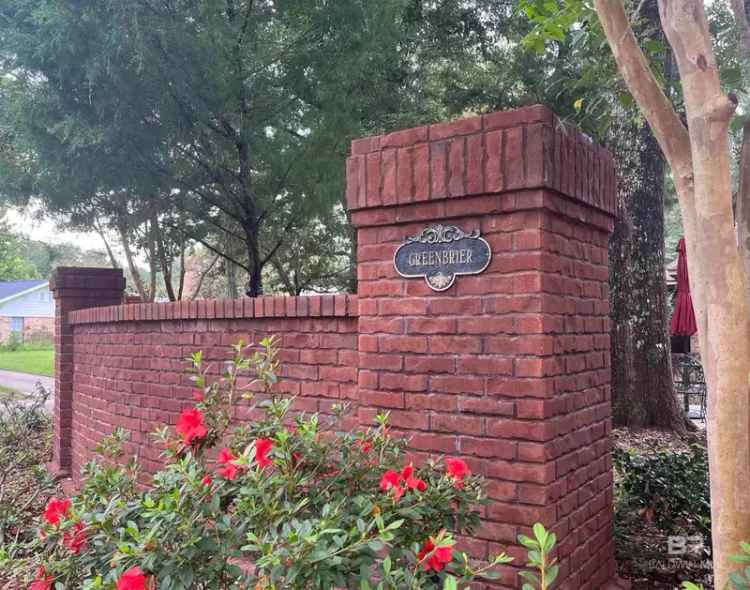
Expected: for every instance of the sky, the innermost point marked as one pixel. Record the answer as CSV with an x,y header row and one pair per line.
x,y
45,230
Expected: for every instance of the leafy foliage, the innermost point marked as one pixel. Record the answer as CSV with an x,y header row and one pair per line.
x,y
288,503
672,488
540,557
13,265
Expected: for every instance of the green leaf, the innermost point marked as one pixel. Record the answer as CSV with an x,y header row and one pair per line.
x,y
450,583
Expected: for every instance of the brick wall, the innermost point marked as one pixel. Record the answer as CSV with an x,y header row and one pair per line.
x,y
508,368
131,372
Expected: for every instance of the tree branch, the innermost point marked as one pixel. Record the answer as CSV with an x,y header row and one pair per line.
x,y
643,85
210,247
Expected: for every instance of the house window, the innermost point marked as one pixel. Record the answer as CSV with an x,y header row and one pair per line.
x,y
16,325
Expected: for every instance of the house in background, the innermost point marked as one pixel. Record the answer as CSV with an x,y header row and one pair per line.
x,y
28,310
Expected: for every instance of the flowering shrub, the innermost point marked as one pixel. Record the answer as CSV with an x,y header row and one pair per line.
x,y
284,504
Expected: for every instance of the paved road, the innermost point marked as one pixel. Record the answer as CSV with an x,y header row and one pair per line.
x,y
24,382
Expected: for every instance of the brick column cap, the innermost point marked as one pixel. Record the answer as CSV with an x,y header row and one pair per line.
x,y
526,148
86,279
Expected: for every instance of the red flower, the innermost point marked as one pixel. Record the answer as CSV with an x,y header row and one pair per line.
x,y
263,446
365,445
56,510
413,483
435,558
207,481
42,581
458,470
229,471
191,426
75,538
133,579
198,395
226,456
390,480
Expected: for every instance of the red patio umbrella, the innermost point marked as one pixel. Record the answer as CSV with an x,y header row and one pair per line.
x,y
683,317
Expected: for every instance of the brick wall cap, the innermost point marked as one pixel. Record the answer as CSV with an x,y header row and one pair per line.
x,y
493,153
305,306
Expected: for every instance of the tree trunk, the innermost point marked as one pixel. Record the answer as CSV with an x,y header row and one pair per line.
x,y
152,256
203,276
164,263
642,388
231,275
284,276
742,208
700,161
181,282
110,254
255,284
134,274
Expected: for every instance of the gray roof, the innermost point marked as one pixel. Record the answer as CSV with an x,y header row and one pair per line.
x,y
12,288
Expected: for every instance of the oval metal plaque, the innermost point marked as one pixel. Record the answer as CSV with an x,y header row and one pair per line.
x,y
440,253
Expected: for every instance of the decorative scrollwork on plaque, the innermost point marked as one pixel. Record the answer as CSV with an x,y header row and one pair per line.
x,y
441,234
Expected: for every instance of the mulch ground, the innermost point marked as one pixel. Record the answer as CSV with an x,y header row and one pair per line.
x,y
642,548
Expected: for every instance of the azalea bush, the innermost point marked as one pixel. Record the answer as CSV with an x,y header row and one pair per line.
x,y
280,503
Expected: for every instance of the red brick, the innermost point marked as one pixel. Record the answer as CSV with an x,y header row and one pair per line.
x,y
373,179
458,127
457,384
429,364
485,365
388,190
458,424
456,165
431,325
483,405
455,344
475,164
382,399
488,448
404,181
421,161
405,137
403,344
485,325
403,381
402,307
431,401
493,161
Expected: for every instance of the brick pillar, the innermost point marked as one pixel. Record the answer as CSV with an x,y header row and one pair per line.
x,y
509,368
74,288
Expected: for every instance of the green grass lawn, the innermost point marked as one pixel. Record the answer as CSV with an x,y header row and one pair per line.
x,y
36,362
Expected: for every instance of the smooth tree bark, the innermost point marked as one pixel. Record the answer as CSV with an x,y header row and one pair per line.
x,y
699,158
130,259
642,387
741,9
